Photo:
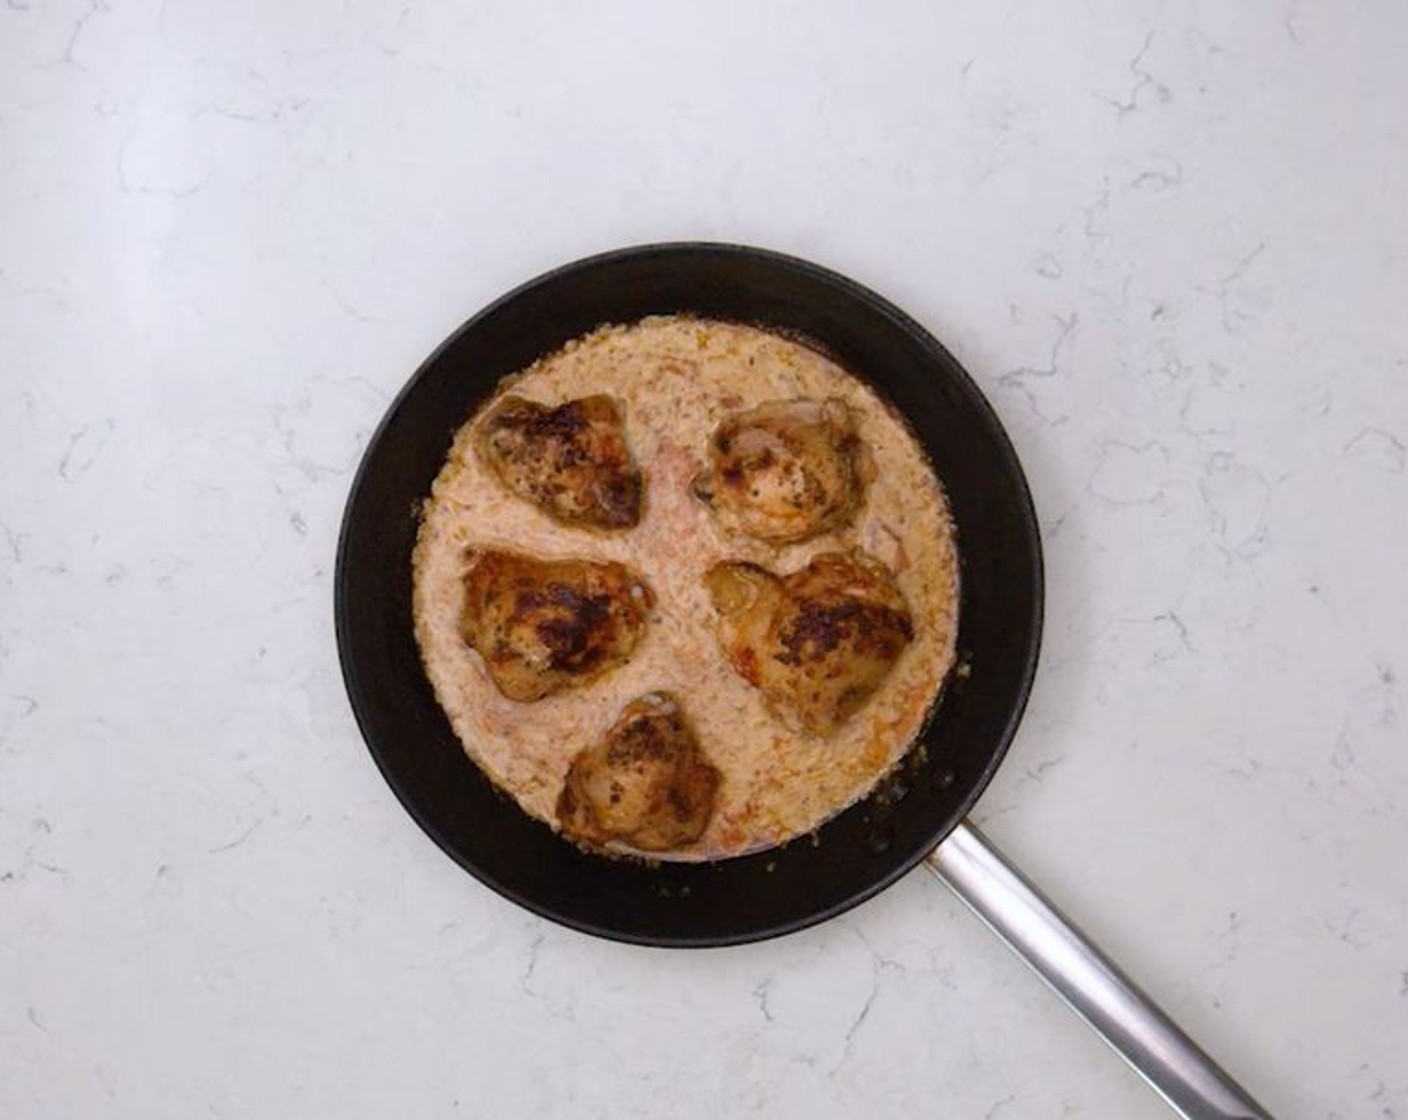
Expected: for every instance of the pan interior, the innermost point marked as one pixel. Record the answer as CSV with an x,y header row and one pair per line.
x,y
858,852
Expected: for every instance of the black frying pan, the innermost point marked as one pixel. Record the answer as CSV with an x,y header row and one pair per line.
x,y
857,853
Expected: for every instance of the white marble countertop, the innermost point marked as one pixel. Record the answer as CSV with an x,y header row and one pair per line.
x,y
1170,241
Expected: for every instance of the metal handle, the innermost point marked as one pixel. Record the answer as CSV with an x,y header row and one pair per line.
x,y
1087,980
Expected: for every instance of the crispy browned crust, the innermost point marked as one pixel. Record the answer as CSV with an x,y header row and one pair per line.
x,y
785,470
817,642
545,625
646,783
572,461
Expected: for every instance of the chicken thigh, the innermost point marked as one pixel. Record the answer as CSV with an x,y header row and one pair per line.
x,y
542,626
786,470
571,461
817,642
645,783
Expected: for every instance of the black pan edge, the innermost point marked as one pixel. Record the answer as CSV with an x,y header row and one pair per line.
x,y
655,904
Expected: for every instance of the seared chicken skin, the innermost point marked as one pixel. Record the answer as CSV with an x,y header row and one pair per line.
x,y
571,461
542,626
645,783
786,470
818,642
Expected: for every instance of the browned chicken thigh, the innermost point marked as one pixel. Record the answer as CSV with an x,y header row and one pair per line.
x,y
542,626
786,470
645,783
571,461
817,642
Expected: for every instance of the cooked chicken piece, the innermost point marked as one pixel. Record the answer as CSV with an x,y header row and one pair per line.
x,y
646,783
572,461
545,625
817,642
786,470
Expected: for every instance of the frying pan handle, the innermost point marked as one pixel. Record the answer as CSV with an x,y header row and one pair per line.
x,y
1087,980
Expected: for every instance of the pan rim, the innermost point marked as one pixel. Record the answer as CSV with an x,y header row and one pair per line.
x,y
1025,510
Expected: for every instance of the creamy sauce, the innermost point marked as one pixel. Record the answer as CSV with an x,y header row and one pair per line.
x,y
677,378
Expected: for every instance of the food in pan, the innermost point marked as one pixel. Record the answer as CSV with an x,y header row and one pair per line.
x,y
571,460
784,471
831,564
817,642
646,783
541,626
